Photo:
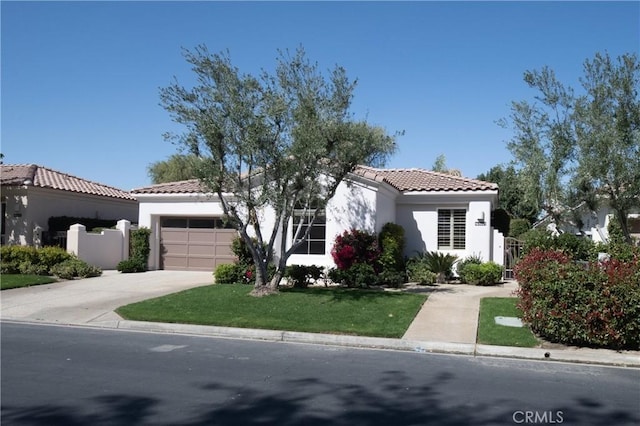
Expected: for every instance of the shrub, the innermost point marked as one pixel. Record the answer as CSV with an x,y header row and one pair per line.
x,y
517,227
391,259
140,249
536,239
75,268
301,276
353,247
360,275
130,266
29,260
439,263
461,265
392,278
227,274
420,273
12,256
579,248
50,256
487,273
566,302
28,268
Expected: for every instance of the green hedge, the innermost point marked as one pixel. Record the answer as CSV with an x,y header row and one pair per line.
x,y
594,304
487,273
44,261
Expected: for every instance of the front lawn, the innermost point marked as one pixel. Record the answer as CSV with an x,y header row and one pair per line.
x,y
314,310
490,333
8,281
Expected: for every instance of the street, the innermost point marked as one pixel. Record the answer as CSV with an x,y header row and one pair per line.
x,y
55,375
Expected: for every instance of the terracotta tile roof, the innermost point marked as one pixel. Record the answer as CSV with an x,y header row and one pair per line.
x,y
408,180
404,180
43,177
192,186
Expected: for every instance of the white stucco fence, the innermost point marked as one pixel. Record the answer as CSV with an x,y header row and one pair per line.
x,y
105,249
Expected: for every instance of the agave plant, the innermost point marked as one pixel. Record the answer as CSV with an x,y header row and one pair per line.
x,y
439,263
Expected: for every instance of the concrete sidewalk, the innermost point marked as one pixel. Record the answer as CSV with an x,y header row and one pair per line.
x,y
450,314
447,322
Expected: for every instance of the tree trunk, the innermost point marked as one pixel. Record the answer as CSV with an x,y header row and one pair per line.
x,y
264,287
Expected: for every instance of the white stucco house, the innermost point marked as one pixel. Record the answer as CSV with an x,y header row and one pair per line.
x,y
437,211
31,194
594,224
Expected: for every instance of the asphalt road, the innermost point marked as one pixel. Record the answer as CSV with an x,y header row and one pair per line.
x,y
54,375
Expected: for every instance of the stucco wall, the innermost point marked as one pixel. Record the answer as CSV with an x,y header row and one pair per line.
x,y
105,249
28,207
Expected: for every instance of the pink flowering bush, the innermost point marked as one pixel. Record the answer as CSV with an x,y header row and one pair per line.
x,y
356,254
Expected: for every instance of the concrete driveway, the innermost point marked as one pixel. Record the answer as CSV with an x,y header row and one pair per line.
x,y
93,300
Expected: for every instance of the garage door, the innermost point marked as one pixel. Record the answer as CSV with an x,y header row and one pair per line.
x,y
195,244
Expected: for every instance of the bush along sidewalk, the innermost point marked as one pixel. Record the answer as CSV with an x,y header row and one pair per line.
x,y
584,305
27,260
139,252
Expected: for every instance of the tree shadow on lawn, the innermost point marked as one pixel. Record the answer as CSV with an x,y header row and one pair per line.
x,y
398,400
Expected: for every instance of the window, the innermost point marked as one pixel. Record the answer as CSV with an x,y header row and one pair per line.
x,y
315,242
452,226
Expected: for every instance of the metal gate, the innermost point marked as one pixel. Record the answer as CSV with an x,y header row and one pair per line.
x,y
512,253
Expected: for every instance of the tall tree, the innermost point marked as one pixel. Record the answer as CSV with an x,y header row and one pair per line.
x,y
276,142
608,135
440,166
177,167
511,195
582,148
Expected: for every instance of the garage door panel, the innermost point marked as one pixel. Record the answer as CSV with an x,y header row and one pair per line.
x,y
195,247
175,235
202,250
174,249
202,236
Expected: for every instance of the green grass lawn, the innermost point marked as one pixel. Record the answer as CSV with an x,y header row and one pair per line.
x,y
8,281
315,310
490,333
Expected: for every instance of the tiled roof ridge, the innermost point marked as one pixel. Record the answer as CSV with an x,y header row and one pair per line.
x,y
175,182
401,179
422,170
34,169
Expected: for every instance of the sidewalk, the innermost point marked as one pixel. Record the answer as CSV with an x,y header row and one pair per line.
x,y
447,322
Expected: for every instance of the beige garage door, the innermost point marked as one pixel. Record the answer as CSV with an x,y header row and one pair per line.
x,y
194,244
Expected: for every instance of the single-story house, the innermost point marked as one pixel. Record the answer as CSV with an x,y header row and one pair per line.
x,y
593,224
438,211
32,194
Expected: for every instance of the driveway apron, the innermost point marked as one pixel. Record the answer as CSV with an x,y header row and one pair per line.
x,y
93,300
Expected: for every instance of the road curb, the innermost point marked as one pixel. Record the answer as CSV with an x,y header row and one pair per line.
x,y
605,357
573,355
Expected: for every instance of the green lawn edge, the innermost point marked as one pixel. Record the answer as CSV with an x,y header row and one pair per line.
x,y
490,333
9,281
315,310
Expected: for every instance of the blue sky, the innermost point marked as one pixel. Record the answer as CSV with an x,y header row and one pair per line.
x,y
80,80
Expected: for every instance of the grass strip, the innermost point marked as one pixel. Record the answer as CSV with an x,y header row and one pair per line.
x,y
8,281
490,333
315,310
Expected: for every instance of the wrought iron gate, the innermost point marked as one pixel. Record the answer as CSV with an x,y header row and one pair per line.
x,y
512,253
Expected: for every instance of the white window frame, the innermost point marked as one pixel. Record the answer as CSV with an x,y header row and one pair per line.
x,y
452,229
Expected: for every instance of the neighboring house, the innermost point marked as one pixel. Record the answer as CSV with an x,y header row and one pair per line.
x,y
437,211
595,224
31,194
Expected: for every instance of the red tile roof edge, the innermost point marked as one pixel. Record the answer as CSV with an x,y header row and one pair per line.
x,y
45,177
